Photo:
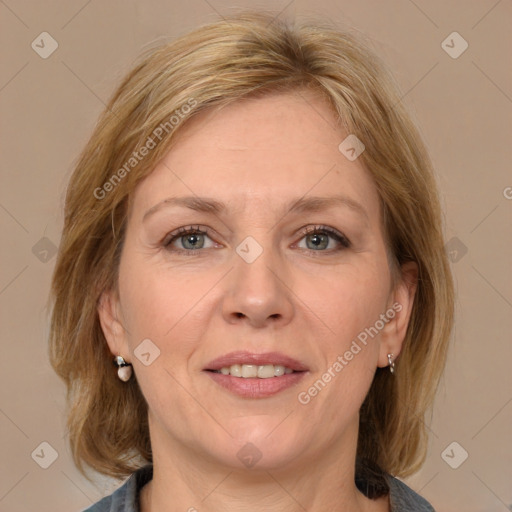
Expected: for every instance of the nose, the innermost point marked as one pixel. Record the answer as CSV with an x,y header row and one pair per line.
x,y
258,293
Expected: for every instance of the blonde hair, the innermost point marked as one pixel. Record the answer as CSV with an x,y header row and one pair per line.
x,y
248,54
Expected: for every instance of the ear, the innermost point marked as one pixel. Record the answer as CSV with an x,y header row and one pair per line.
x,y
401,302
111,325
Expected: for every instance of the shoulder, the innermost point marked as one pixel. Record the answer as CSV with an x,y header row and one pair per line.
x,y
126,497
404,499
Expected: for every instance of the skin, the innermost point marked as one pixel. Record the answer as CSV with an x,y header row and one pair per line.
x,y
307,302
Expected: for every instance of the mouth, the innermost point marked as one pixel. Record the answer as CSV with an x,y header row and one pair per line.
x,y
250,375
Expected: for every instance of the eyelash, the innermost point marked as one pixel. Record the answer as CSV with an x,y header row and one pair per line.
x,y
310,230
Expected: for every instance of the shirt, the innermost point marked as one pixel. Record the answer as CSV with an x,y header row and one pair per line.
x,y
126,498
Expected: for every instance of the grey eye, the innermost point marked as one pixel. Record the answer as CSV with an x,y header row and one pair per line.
x,y
193,241
318,241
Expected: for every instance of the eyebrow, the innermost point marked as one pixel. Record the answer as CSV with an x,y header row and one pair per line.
x,y
301,205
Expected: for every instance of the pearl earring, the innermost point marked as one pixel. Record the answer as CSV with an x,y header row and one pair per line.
x,y
124,369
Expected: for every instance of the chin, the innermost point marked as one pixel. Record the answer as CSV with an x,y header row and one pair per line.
x,y
261,444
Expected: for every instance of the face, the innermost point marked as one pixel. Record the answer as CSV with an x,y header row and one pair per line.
x,y
275,262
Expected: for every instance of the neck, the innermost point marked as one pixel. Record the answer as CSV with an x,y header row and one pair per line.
x,y
184,480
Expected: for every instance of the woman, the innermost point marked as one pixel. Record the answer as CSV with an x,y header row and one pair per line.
x,y
253,236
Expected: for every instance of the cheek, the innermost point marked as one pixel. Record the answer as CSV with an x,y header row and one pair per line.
x,y
349,356
155,299
353,301
168,307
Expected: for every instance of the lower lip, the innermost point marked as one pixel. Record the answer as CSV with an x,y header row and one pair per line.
x,y
255,387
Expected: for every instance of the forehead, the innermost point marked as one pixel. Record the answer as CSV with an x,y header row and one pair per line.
x,y
260,151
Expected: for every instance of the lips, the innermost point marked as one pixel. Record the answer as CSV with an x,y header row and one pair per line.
x,y
268,358
222,371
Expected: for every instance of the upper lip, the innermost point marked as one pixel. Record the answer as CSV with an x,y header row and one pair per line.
x,y
244,357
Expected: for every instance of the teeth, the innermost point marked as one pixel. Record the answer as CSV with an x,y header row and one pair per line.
x,y
235,370
278,371
266,371
248,371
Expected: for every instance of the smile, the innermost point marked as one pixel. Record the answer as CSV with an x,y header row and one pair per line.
x,y
250,375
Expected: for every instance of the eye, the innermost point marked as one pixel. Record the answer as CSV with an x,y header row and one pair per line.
x,y
319,238
191,239
187,239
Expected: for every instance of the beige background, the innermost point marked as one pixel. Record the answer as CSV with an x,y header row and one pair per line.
x,y
464,108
